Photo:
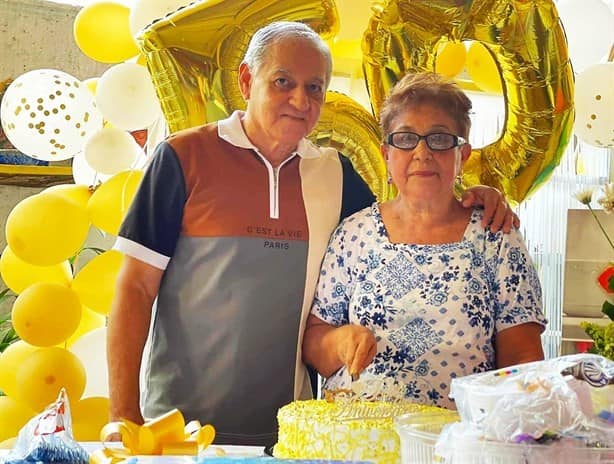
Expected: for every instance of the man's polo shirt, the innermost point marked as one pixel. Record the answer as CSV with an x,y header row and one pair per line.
x,y
241,245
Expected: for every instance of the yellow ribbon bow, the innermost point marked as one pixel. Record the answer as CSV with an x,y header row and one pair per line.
x,y
165,435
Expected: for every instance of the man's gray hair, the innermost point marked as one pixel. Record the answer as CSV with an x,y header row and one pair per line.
x,y
272,33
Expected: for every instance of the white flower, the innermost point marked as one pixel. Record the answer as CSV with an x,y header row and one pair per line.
x,y
584,196
607,201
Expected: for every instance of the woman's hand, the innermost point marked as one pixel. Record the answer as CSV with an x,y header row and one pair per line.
x,y
356,347
497,212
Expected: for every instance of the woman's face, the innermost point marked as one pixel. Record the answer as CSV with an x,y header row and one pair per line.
x,y
423,173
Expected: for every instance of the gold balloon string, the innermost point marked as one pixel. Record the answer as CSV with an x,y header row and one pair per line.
x,y
165,435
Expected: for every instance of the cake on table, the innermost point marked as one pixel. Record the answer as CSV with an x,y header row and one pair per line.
x,y
342,430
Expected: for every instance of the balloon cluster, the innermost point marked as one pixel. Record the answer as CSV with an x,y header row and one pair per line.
x,y
60,318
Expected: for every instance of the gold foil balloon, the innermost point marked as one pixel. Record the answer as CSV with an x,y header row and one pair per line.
x,y
527,40
194,54
352,130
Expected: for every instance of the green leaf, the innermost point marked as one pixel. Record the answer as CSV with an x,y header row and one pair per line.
x,y
611,283
5,294
608,309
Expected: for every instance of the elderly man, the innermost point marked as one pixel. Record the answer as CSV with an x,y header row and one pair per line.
x,y
228,231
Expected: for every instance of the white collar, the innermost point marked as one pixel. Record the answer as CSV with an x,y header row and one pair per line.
x,y
231,130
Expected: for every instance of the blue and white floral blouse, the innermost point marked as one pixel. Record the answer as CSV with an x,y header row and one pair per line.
x,y
434,309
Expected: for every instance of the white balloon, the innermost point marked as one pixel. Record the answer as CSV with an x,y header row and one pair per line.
x,y
48,114
144,12
84,174
589,27
111,150
126,97
594,101
91,349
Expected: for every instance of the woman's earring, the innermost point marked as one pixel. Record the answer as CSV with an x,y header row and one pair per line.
x,y
389,179
458,180
458,185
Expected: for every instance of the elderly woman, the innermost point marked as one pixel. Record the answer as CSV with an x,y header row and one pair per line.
x,y
414,289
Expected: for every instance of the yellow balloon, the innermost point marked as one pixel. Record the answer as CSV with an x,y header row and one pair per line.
x,y
450,59
89,416
91,84
78,193
111,200
45,372
482,69
90,320
19,275
196,43
531,50
46,314
46,229
13,416
102,32
141,60
95,283
10,360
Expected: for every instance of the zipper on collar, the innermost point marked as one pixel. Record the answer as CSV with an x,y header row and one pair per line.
x,y
274,184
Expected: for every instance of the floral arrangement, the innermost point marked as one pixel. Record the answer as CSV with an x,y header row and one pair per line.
x,y
602,336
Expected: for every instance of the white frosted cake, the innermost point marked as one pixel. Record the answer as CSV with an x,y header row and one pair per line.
x,y
357,431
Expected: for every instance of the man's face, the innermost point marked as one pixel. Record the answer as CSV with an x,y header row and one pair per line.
x,y
285,94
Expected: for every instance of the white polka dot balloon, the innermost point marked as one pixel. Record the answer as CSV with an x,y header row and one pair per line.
x,y
595,105
48,114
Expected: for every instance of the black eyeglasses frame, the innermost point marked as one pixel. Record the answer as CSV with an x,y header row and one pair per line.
x,y
458,140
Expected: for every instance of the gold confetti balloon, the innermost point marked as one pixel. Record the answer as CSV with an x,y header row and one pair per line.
x,y
48,114
528,43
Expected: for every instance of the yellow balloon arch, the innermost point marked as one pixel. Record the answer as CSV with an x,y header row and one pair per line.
x,y
194,53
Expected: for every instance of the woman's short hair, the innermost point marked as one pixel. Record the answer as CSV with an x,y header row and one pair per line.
x,y
272,33
430,88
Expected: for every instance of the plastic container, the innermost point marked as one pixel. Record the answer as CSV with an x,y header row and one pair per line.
x,y
419,433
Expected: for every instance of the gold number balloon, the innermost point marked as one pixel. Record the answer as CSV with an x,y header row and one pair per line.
x,y
526,39
194,54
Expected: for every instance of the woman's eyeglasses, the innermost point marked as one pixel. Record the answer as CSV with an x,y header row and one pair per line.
x,y
437,141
